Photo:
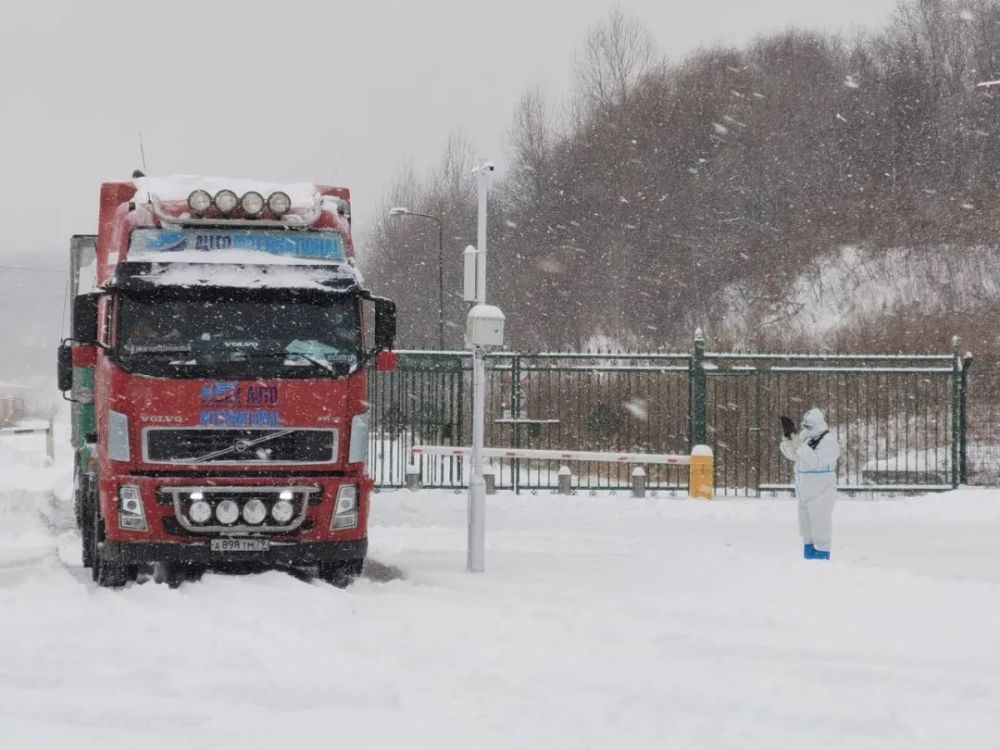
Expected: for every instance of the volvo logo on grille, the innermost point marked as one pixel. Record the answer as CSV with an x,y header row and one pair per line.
x,y
241,446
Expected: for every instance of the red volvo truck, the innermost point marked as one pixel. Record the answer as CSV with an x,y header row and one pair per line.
x,y
221,336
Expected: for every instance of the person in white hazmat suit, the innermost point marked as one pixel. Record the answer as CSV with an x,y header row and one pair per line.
x,y
814,450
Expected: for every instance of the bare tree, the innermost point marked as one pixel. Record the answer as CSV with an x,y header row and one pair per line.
x,y
617,52
531,139
452,182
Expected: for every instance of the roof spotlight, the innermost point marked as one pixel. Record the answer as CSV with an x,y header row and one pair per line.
x,y
279,203
199,201
252,203
226,201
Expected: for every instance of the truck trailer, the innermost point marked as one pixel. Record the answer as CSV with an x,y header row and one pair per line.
x,y
221,337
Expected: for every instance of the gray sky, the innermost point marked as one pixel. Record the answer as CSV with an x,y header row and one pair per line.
x,y
342,91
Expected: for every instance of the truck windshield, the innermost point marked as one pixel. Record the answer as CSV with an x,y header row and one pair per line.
x,y
281,335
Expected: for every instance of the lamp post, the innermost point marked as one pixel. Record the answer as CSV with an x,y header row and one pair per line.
x,y
400,211
478,338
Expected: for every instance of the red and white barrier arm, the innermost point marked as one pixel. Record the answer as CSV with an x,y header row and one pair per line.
x,y
24,431
531,454
50,449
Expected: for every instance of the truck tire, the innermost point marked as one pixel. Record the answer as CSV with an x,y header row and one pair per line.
x,y
341,573
78,500
174,574
87,503
109,574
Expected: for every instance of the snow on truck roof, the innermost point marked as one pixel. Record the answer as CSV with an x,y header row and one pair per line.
x,y
255,276
234,257
179,187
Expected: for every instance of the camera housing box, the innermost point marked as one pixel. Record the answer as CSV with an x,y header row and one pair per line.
x,y
484,327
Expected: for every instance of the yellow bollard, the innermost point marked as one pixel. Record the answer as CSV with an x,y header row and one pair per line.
x,y
702,479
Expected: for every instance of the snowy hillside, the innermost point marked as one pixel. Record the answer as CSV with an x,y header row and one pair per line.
x,y
855,286
602,622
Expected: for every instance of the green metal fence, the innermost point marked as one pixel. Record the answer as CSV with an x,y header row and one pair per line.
x,y
900,419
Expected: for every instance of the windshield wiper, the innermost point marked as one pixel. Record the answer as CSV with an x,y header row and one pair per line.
x,y
326,365
330,366
155,348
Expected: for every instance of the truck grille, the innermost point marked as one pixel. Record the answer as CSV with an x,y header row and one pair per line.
x,y
236,446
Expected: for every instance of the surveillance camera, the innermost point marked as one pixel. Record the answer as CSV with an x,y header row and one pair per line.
x,y
490,166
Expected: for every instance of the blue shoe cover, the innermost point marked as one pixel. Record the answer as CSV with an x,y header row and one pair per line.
x,y
809,552
820,554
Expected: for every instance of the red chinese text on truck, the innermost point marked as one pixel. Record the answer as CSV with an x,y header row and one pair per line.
x,y
217,369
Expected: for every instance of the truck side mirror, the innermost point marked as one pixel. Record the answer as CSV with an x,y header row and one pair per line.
x,y
65,369
85,318
385,323
386,361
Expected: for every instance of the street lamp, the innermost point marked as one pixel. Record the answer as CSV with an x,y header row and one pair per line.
x,y
400,211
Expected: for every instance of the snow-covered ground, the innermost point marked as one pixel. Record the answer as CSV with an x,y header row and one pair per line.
x,y
602,622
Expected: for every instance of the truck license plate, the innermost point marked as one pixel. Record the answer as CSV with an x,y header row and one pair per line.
x,y
240,545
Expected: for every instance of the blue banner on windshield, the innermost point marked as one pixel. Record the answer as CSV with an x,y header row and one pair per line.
x,y
320,246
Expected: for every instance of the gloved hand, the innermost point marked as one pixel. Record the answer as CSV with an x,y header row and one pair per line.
x,y
795,440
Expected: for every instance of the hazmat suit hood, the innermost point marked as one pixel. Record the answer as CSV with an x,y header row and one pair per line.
x,y
814,423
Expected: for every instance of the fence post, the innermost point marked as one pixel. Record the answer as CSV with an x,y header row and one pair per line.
x,y
565,481
413,476
697,391
963,435
515,404
50,442
956,412
638,482
490,478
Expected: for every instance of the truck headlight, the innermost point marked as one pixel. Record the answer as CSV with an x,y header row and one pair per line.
x,y
345,515
200,511
118,449
282,511
131,513
227,512
254,512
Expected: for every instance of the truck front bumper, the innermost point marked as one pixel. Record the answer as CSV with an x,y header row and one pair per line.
x,y
303,553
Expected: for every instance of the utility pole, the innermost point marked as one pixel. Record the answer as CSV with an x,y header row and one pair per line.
x,y
481,318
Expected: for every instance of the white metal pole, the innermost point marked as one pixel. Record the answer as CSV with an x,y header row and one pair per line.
x,y
476,560
484,184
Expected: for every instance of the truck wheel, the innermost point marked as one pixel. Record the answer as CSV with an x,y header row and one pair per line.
x,y
109,574
174,574
341,573
78,498
87,528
